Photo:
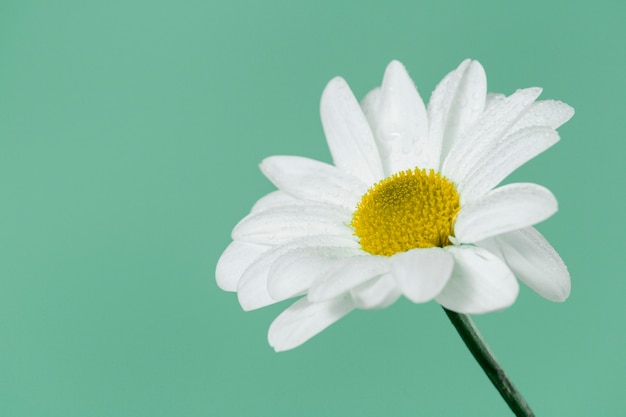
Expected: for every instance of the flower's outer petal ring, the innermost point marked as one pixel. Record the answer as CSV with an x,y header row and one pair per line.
x,y
486,133
312,180
252,288
348,134
455,104
237,257
349,273
504,209
550,113
303,320
421,274
480,282
378,292
533,261
514,151
294,272
400,122
279,225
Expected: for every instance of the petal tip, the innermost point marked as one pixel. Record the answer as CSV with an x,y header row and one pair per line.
x,y
266,166
247,303
561,293
463,66
568,112
335,83
395,65
535,91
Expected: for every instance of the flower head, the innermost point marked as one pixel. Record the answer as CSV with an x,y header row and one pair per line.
x,y
410,207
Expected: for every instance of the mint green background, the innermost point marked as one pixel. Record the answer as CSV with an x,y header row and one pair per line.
x,y
130,137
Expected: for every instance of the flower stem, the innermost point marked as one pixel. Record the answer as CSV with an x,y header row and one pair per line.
x,y
486,359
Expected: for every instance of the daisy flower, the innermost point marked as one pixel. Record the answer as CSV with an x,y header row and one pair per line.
x,y
410,207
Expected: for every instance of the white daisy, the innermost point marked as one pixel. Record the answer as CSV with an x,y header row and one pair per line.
x,y
409,207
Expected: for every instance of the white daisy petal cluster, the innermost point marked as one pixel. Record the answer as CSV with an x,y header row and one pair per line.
x,y
410,207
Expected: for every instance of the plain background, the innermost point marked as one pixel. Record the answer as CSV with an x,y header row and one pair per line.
x,y
130,137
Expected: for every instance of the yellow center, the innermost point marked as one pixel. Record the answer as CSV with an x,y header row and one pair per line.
x,y
410,209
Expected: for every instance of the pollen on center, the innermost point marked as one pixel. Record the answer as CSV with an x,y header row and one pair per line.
x,y
410,209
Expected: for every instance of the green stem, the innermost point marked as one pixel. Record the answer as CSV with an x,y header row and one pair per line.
x,y
486,359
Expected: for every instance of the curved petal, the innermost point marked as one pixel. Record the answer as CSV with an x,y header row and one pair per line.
x,y
399,121
347,274
486,133
279,225
480,282
252,288
370,104
508,208
294,272
303,320
514,151
455,104
549,113
492,99
376,293
533,261
421,274
348,134
308,179
237,257
274,199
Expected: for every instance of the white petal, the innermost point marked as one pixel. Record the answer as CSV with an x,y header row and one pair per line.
x,y
348,273
232,264
252,288
456,103
421,274
303,320
348,134
493,98
480,282
507,208
483,135
533,261
308,179
399,121
294,272
550,113
512,152
441,101
274,199
376,293
370,104
278,225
